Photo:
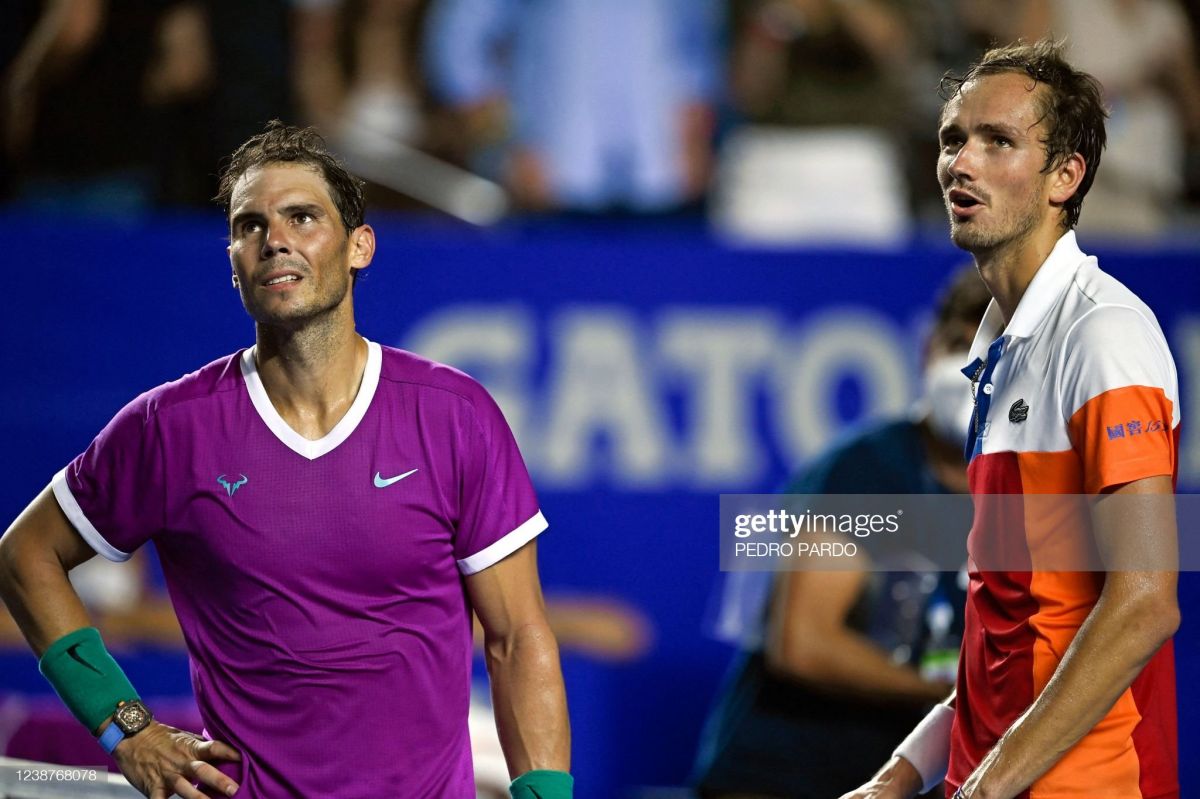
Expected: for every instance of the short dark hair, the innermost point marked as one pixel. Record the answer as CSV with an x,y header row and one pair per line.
x,y
1072,105
288,144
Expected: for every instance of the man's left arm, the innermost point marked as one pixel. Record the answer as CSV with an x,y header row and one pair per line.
x,y
528,694
1137,612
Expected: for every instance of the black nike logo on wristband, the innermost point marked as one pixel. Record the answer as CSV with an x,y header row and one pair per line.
x,y
75,656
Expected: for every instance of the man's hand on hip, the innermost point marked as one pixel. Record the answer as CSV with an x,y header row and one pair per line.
x,y
160,761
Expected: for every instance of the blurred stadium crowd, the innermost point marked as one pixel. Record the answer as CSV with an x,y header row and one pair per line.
x,y
780,119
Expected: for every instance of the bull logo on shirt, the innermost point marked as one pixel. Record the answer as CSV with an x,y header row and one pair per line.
x,y
234,486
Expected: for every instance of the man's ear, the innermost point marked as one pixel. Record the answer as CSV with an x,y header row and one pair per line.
x,y
1066,178
233,271
362,246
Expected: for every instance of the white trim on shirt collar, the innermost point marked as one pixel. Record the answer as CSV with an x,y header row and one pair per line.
x,y
1047,286
990,328
340,432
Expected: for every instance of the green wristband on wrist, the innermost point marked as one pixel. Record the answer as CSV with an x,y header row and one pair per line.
x,y
542,784
86,677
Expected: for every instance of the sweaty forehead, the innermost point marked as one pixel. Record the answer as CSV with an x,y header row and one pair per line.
x,y
279,183
1006,98
1012,97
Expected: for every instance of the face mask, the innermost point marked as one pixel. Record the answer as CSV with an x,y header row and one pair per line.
x,y
947,397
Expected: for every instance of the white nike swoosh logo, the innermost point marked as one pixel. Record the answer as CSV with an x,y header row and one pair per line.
x,y
380,482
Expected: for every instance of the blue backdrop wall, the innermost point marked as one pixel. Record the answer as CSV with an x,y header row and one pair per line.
x,y
644,371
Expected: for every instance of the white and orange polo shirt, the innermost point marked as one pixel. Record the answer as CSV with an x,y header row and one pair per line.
x,y
1077,394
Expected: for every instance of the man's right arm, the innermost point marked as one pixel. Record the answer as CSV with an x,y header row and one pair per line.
x,y
36,553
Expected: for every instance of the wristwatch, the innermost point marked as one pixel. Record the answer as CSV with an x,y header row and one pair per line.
x,y
129,719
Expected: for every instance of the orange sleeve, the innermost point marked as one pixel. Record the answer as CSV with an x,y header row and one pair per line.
x,y
1123,435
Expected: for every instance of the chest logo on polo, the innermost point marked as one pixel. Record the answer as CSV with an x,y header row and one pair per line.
x,y
1019,411
231,488
384,482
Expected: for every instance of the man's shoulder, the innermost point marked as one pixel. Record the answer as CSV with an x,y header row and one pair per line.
x,y
1102,317
208,382
1094,290
879,438
1108,339
404,367
879,457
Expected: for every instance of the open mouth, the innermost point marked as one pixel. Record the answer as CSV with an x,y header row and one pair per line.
x,y
282,279
963,204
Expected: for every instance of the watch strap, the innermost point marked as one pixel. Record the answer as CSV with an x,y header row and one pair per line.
x,y
111,736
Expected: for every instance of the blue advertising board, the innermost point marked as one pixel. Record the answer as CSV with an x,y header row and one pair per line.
x,y
645,370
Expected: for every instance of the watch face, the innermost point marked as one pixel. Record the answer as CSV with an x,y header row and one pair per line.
x,y
132,717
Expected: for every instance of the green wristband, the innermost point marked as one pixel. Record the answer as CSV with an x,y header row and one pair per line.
x,y
85,676
542,784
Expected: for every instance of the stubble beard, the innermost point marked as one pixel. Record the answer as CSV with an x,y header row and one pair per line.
x,y
1013,228
298,316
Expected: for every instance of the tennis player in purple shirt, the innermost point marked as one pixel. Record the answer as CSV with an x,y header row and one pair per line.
x,y
328,512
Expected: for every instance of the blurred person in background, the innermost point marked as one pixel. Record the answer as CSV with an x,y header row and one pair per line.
x,y
20,18
245,48
250,84
577,105
373,102
947,36
1143,52
112,108
822,98
821,62
841,664
79,99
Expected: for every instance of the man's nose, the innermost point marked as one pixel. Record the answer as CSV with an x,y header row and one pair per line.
x,y
275,242
963,165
